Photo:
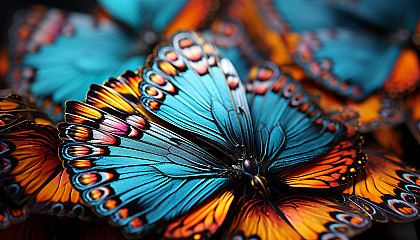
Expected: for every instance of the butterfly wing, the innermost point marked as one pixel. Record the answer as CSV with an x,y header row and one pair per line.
x,y
84,50
388,189
111,149
14,109
336,167
390,139
202,221
189,82
413,114
295,216
167,16
341,60
375,112
290,129
388,15
102,50
32,174
307,15
229,35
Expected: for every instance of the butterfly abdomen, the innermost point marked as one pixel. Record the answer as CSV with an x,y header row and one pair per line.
x,y
258,182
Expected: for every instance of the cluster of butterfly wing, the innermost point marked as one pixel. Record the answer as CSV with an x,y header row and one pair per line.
x,y
182,150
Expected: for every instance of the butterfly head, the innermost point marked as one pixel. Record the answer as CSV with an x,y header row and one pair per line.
x,y
258,182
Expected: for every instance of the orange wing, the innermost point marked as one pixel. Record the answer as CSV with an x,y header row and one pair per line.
x,y
14,109
199,10
405,74
337,167
202,221
32,174
390,139
387,190
295,216
375,112
413,114
266,38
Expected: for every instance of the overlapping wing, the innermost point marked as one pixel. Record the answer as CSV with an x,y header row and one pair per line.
x,y
190,85
388,189
129,168
295,216
290,129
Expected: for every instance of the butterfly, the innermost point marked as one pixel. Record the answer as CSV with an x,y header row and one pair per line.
x,y
182,147
353,48
80,49
31,172
388,189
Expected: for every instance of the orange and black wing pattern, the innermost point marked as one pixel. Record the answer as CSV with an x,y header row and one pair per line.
x,y
375,112
295,216
390,139
405,74
14,109
387,190
32,173
335,168
202,221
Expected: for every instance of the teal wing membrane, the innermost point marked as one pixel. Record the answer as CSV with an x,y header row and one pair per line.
x,y
289,128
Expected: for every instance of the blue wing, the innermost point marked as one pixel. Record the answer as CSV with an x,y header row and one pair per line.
x,y
139,14
388,15
90,55
307,15
289,128
84,50
352,63
358,52
190,85
130,169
